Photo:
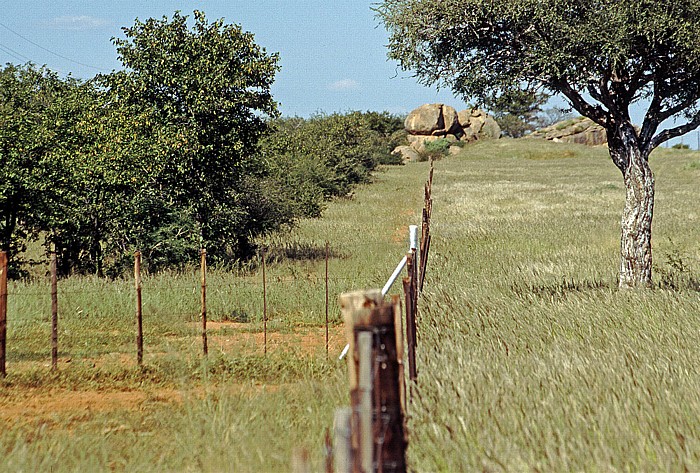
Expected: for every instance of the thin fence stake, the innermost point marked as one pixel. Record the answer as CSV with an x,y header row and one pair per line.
x,y
327,252
139,311
204,301
264,303
3,311
54,312
409,285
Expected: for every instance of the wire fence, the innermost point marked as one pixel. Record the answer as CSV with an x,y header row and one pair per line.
x,y
141,317
371,435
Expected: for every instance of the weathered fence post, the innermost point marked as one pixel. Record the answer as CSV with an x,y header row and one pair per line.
x,y
410,292
3,311
377,440
204,301
54,311
139,312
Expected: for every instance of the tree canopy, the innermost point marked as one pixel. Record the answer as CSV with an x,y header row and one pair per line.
x,y
181,149
614,52
207,86
604,56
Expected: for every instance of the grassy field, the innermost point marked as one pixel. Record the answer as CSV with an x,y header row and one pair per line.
x,y
529,356
530,359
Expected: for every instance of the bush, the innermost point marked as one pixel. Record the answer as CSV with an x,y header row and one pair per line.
x,y
325,156
437,149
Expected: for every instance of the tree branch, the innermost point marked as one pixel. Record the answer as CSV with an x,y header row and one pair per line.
x,y
674,132
652,118
594,112
668,113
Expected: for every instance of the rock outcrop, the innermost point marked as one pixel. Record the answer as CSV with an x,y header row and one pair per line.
x,y
434,121
477,124
579,130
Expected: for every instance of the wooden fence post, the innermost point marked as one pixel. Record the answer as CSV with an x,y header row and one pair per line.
x,y
54,311
377,435
409,286
399,335
139,311
3,311
203,264
264,278
327,256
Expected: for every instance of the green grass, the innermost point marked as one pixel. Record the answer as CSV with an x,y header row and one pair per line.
x,y
529,356
241,410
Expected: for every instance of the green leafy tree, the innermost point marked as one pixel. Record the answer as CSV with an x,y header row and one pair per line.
x,y
604,56
32,122
110,198
207,89
517,111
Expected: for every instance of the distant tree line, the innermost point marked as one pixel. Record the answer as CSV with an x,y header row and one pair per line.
x,y
182,149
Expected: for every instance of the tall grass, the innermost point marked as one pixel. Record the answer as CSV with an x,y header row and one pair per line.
x,y
239,410
529,357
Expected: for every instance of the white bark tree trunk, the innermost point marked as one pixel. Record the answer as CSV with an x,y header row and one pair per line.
x,y
635,242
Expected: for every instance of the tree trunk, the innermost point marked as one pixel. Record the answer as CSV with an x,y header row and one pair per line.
x,y
635,243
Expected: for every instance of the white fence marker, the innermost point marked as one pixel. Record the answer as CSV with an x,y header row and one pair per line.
x,y
413,245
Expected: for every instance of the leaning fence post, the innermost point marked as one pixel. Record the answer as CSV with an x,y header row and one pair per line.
x,y
139,311
3,311
54,312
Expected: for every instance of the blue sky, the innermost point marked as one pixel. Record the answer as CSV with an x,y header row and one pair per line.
x,y
332,52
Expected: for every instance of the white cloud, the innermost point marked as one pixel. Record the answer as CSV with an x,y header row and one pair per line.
x,y
345,84
76,23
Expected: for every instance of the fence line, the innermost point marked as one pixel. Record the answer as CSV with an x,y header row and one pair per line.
x,y
203,313
371,435
218,287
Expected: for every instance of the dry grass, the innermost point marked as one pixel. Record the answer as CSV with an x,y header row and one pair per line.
x,y
529,357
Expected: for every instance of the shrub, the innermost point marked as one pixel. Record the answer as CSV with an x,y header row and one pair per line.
x,y
437,149
325,156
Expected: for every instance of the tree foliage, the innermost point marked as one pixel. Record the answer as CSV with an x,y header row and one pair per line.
x,y
181,149
604,56
325,156
32,123
207,88
517,111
